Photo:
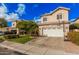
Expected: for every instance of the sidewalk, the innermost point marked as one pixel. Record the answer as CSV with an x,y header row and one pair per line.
x,y
30,49
71,48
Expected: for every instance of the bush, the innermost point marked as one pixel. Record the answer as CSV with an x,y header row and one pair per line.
x,y
10,32
74,37
22,39
11,36
1,38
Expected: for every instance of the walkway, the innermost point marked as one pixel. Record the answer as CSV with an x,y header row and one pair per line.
x,y
71,48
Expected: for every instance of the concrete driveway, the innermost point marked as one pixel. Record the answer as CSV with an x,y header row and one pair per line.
x,y
48,45
38,46
49,42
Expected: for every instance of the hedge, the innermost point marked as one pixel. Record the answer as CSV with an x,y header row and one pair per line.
x,y
1,39
74,37
21,39
11,36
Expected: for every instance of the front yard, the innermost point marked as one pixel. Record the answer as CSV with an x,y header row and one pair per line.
x,y
21,39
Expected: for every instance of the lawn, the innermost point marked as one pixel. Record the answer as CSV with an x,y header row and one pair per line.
x,y
22,39
1,38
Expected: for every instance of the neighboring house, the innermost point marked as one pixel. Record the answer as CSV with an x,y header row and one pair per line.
x,y
14,24
77,21
55,24
4,29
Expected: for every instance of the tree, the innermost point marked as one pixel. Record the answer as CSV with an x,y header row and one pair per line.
x,y
29,26
76,25
33,27
21,25
3,23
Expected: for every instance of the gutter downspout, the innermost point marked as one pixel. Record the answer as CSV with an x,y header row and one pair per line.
x,y
64,29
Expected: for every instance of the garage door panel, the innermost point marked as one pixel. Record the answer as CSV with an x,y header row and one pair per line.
x,y
54,32
45,32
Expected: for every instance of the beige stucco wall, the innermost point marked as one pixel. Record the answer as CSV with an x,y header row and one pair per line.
x,y
14,24
53,17
66,28
77,21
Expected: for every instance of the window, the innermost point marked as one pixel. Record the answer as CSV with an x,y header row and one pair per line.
x,y
59,16
44,19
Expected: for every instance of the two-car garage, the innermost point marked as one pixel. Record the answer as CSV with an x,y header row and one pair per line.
x,y
52,32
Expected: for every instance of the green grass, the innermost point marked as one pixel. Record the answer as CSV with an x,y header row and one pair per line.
x,y
22,39
1,38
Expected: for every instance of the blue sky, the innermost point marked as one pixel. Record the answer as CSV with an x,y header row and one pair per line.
x,y
30,11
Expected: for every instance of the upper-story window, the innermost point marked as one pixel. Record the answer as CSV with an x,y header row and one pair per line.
x,y
59,16
44,19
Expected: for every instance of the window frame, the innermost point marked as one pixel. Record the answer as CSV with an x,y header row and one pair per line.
x,y
45,19
59,16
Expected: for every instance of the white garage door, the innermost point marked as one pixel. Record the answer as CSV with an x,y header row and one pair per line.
x,y
53,32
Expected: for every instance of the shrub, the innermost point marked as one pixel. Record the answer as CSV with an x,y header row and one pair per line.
x,y
11,36
1,38
10,32
22,39
74,37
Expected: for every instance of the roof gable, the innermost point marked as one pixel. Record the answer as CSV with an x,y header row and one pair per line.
x,y
59,8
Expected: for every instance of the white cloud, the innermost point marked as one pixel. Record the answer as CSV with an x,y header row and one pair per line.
x,y
21,9
6,10
9,17
12,17
72,20
37,19
2,12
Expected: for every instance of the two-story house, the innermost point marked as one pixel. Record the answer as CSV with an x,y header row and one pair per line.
x,y
55,23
